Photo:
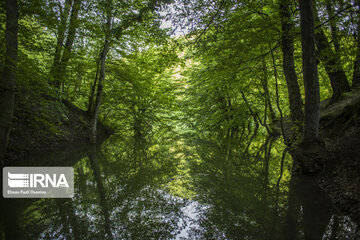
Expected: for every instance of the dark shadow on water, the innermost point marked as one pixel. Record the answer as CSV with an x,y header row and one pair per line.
x,y
309,209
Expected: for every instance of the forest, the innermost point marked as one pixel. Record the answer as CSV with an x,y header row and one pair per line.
x,y
184,119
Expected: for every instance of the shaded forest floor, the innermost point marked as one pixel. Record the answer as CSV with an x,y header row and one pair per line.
x,y
43,124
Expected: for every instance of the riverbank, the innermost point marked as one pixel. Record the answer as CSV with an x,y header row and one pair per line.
x,y
43,124
340,129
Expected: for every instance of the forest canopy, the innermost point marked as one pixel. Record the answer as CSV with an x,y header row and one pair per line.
x,y
224,66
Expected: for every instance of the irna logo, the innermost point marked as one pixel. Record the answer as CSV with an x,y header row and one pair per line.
x,y
19,180
38,182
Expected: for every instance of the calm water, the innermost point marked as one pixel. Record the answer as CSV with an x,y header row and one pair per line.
x,y
186,188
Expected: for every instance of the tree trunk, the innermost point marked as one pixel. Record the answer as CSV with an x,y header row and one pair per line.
x,y
311,80
333,27
287,45
69,43
60,41
99,90
102,73
93,87
268,105
333,68
7,84
356,72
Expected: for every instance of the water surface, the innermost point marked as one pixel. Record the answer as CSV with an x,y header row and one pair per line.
x,y
186,188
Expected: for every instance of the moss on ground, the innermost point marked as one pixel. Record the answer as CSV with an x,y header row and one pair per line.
x,y
43,123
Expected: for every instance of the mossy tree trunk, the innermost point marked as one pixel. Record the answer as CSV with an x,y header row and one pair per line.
x,y
7,84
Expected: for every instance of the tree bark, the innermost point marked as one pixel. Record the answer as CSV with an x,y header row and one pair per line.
x,y
287,45
7,84
102,73
311,80
333,68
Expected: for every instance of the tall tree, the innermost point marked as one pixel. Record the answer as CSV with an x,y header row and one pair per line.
x,y
311,79
63,51
103,56
7,84
331,62
110,33
287,46
333,25
73,24
64,13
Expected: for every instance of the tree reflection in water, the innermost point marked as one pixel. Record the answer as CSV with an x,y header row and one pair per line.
x,y
213,188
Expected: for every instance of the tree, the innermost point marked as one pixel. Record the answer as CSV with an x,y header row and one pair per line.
x,y
287,46
333,25
62,57
312,152
7,84
110,33
64,13
103,55
69,42
331,62
311,80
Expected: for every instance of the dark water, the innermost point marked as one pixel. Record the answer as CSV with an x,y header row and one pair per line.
x,y
132,188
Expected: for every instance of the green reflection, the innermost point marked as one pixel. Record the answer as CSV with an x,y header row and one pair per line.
x,y
142,186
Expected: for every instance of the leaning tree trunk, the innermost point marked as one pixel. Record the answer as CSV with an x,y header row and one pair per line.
x,y
7,84
287,45
99,93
